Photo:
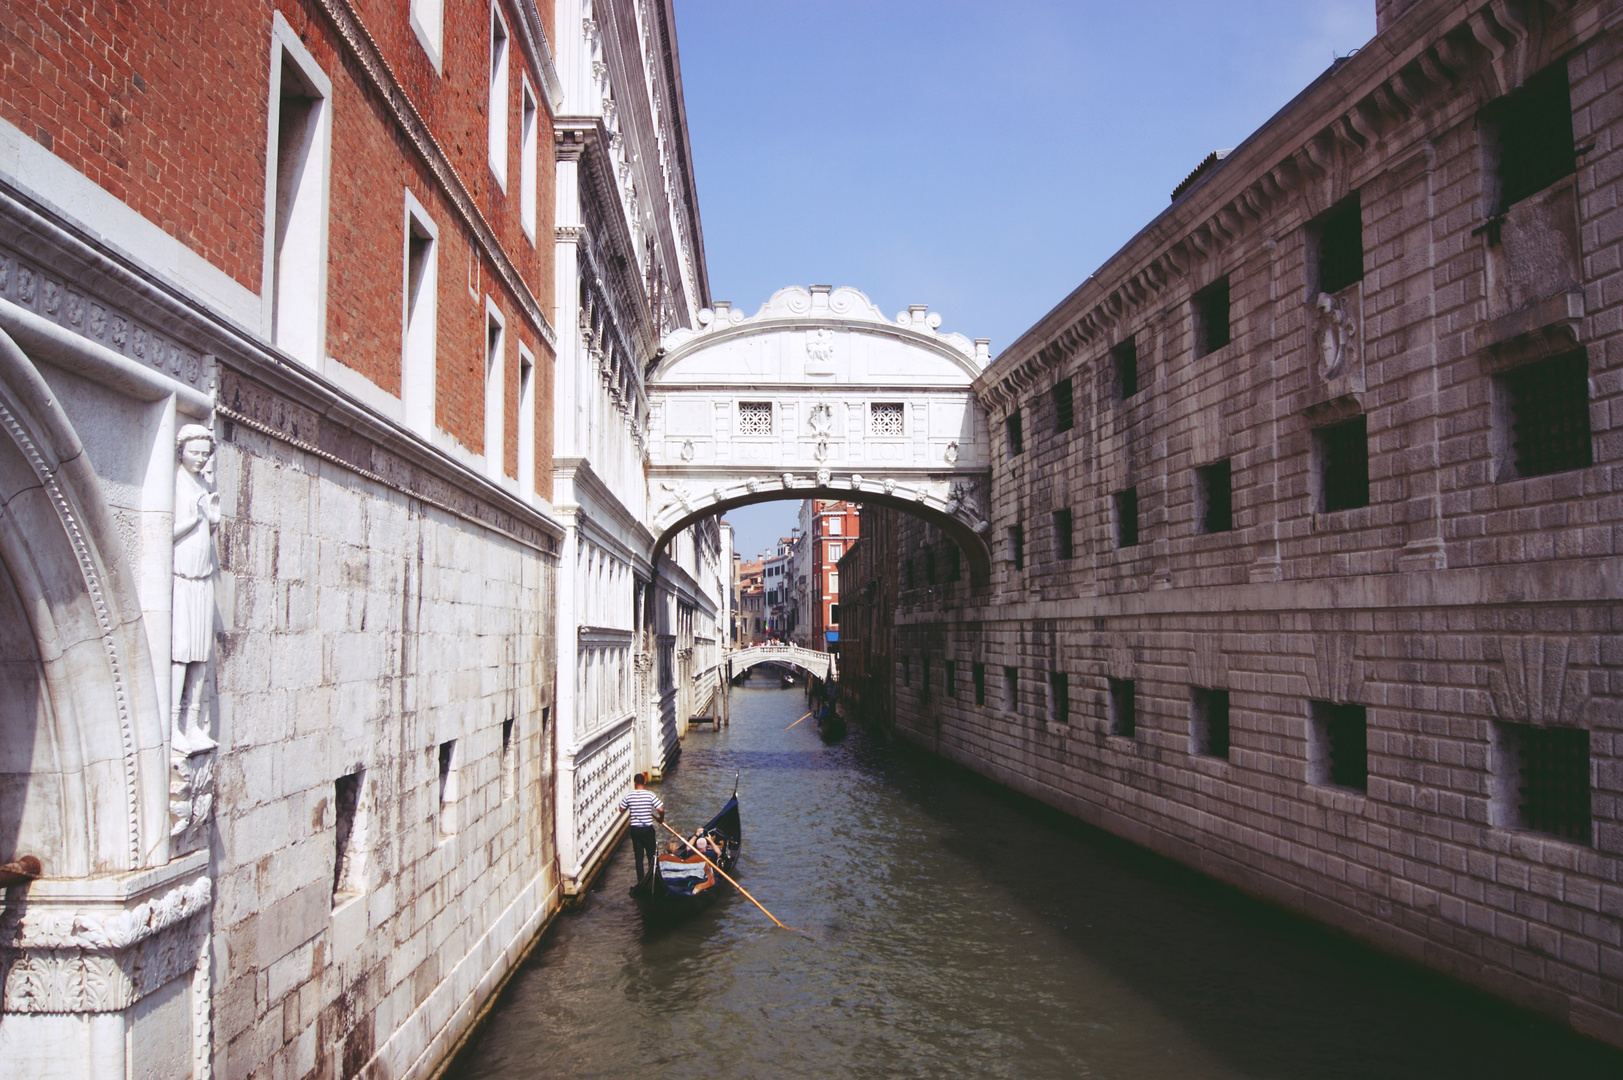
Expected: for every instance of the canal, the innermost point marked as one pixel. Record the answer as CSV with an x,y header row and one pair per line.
x,y
952,931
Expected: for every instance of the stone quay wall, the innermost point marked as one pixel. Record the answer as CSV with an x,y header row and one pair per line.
x,y
1306,562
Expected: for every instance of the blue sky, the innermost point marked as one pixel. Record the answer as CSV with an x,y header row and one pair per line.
x,y
981,158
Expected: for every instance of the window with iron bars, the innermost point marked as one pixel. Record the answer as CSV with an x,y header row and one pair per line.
x,y
1125,359
1216,497
1528,136
1339,238
1064,405
1017,546
1343,465
1064,540
1017,438
1547,786
1127,518
1549,416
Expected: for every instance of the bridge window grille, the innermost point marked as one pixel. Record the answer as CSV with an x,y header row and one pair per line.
x,y
1064,539
1212,330
1549,415
1214,489
1341,750
1017,437
978,673
1064,406
950,677
1123,708
1017,546
1339,238
1127,518
1209,722
1011,688
1344,465
1059,697
1125,359
1546,778
885,418
755,418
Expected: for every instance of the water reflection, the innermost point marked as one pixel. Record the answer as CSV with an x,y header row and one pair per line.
x,y
956,932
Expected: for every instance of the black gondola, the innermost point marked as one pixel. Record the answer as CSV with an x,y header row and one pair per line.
x,y
677,888
830,724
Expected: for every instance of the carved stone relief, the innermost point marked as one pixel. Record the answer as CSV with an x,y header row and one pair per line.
x,y
1336,340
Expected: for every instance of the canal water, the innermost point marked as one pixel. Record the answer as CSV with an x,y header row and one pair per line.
x,y
951,931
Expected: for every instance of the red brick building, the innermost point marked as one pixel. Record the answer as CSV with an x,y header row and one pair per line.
x,y
832,527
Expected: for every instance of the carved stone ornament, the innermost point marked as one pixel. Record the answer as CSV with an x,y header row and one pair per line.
x,y
1335,337
788,480
820,346
921,493
823,476
890,487
856,481
687,450
950,453
820,420
678,496
821,452
753,484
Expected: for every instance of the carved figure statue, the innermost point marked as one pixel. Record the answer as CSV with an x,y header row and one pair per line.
x,y
1335,335
820,346
191,620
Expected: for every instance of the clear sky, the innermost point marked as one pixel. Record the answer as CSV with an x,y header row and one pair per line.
x,y
982,158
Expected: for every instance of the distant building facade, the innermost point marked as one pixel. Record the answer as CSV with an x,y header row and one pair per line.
x,y
829,527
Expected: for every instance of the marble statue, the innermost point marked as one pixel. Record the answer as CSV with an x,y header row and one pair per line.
x,y
197,513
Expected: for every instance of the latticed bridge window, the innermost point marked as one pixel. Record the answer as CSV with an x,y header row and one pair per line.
x,y
755,418
885,418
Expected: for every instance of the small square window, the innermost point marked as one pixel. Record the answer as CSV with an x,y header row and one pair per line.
x,y
951,678
1127,518
1064,539
1214,497
1343,451
1017,438
1548,406
1125,359
1212,317
1338,239
1542,780
1064,405
1059,697
1123,708
1209,722
978,673
885,418
1011,688
755,418
1017,546
1527,136
1338,751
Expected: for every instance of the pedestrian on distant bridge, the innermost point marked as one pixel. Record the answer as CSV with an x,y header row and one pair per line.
x,y
645,809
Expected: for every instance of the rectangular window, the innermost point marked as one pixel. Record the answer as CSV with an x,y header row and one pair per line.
x,y
834,552
495,368
1126,503
1548,407
977,672
955,568
755,418
1208,722
1123,708
1064,405
924,678
907,574
509,762
498,96
1124,358
1542,780
885,418
1338,242
907,671
1064,540
1527,136
833,581
348,879
929,566
834,614
448,788
1338,751
1011,688
1343,452
1211,311
421,320
1214,497
1059,697
1017,546
832,526
1017,438
527,164
428,22
526,421
951,679
298,208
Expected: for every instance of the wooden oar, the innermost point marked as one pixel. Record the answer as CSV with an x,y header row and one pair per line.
x,y
730,881
798,721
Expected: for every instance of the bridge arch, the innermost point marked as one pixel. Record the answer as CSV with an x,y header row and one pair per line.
x,y
820,665
820,395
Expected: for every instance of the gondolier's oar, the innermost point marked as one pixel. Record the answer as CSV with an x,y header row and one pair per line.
x,y
730,881
798,721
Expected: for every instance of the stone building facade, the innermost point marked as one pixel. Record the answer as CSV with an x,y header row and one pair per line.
x,y
1305,524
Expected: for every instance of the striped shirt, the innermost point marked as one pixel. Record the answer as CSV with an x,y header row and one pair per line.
x,y
642,803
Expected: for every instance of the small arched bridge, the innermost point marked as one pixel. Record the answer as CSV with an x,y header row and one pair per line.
x,y
819,395
820,665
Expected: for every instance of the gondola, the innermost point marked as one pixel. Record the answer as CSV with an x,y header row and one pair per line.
x,y
830,724
676,888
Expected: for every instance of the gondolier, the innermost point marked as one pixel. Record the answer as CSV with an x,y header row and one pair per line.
x,y
645,809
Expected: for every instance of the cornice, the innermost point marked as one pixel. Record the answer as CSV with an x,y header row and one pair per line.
x,y
1355,106
539,51
578,472
684,151
369,58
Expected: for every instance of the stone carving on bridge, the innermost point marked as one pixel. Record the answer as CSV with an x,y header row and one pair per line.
x,y
820,346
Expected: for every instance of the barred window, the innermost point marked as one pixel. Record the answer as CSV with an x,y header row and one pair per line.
x,y
1212,330
1125,359
1344,465
1528,136
1064,544
755,418
1017,437
1549,415
1215,498
1339,237
1127,518
1209,722
1064,405
1544,781
885,418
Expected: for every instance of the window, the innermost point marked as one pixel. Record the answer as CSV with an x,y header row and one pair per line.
x,y
1123,708
1124,358
834,614
1208,722
924,678
1338,242
297,257
1214,497
833,581
1011,688
495,367
907,574
1548,407
885,418
1017,546
1212,317
955,568
428,22
755,418
1064,405
526,421
448,788
834,552
907,671
1059,697
498,96
1017,439
832,526
509,762
1343,451
1542,780
1338,752
1127,517
1064,544
527,148
348,878
978,674
1527,136
951,678
929,566
421,316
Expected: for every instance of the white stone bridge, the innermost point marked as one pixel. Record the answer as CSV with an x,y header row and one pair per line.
x,y
820,665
